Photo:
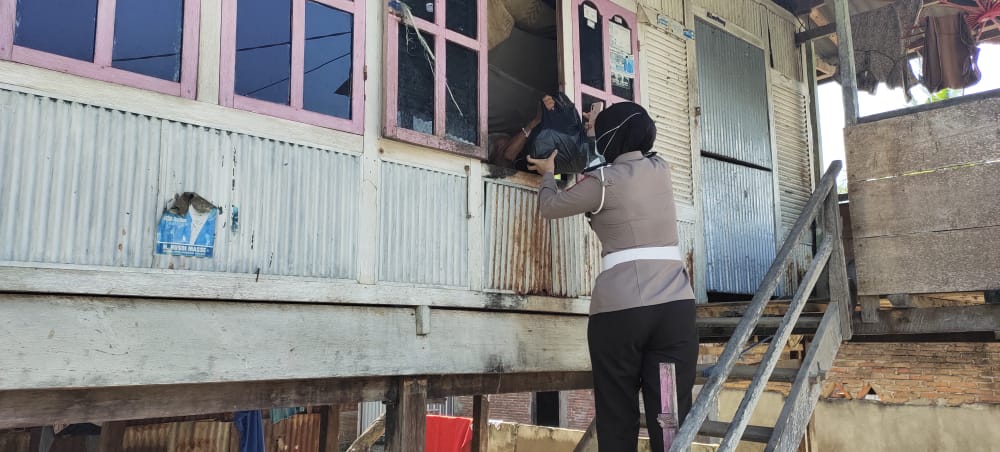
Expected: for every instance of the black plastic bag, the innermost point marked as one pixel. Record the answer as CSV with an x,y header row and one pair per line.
x,y
560,129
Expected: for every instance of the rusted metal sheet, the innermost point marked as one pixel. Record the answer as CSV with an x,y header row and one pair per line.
x,y
198,436
518,241
423,226
104,177
299,433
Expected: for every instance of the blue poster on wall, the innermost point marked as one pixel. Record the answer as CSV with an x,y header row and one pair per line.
x,y
187,228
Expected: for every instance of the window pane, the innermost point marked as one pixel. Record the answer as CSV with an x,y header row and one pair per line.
x,y
62,27
621,58
328,64
416,82
591,46
462,17
264,49
462,121
423,9
148,37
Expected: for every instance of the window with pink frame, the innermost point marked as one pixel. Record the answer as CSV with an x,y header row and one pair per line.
x,y
140,43
301,60
436,54
605,54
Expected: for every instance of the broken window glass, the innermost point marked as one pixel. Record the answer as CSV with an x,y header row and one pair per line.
x,y
328,60
621,58
462,17
462,120
62,27
423,9
148,37
591,46
264,49
416,81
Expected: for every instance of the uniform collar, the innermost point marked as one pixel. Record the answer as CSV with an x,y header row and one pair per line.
x,y
629,157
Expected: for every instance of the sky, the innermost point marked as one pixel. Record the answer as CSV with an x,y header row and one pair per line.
x,y
831,104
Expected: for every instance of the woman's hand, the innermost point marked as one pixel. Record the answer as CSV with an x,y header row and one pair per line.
x,y
543,166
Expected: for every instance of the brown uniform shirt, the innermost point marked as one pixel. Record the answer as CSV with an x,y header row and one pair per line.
x,y
638,212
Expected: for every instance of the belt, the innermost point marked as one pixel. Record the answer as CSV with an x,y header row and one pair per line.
x,y
658,253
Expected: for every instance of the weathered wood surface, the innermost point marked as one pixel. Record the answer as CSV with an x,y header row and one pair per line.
x,y
950,261
845,52
945,200
29,408
329,440
67,342
406,417
753,433
964,319
588,441
367,438
155,283
960,134
480,423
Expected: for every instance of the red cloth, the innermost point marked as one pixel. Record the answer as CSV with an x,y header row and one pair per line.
x,y
448,434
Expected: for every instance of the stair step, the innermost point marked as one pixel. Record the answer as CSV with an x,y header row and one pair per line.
x,y
716,329
752,433
746,373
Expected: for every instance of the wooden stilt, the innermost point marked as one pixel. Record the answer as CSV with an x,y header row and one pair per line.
x,y
406,417
112,434
480,423
330,429
668,417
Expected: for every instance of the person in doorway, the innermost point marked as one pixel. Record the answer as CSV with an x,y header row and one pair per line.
x,y
505,149
642,310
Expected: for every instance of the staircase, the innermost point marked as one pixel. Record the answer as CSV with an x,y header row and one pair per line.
x,y
833,328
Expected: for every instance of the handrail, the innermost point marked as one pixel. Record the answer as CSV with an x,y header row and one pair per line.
x,y
699,412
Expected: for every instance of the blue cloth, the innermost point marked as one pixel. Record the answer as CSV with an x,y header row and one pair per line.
x,y
249,424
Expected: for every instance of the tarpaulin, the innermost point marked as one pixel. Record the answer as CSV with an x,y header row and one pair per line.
x,y
448,434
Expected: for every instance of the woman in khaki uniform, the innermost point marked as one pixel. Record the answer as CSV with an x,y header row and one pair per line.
x,y
642,311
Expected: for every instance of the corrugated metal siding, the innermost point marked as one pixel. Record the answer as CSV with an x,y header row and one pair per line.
x,y
570,256
423,227
687,234
299,433
669,105
368,412
105,176
785,55
739,226
734,120
794,156
200,436
671,8
743,13
77,183
518,241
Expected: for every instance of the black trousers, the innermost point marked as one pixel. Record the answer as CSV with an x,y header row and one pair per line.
x,y
626,349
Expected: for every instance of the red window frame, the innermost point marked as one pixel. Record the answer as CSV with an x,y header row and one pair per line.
x,y
439,30
295,111
608,10
100,68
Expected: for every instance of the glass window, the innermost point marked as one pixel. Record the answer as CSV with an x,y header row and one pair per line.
x,y
416,82
148,37
462,17
462,110
264,49
591,46
329,60
61,27
621,58
423,9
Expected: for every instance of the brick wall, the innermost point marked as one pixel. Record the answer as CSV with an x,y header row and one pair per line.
x,y
579,409
503,407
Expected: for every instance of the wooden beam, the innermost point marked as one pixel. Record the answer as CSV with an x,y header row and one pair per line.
x,y
480,423
371,434
589,439
820,32
112,434
927,321
869,308
28,408
821,20
406,417
329,434
845,46
752,433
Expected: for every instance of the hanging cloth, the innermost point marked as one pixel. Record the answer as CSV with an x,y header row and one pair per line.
x,y
950,54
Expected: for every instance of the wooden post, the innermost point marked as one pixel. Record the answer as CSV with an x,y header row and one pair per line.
x,y
480,423
869,308
329,434
840,290
406,417
371,434
112,434
668,404
848,80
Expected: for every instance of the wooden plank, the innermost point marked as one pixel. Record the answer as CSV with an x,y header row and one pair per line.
x,y
869,308
112,434
959,198
815,33
962,133
845,47
836,269
668,404
367,438
98,342
480,423
406,417
589,439
951,261
152,283
28,408
745,373
329,435
965,319
753,433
